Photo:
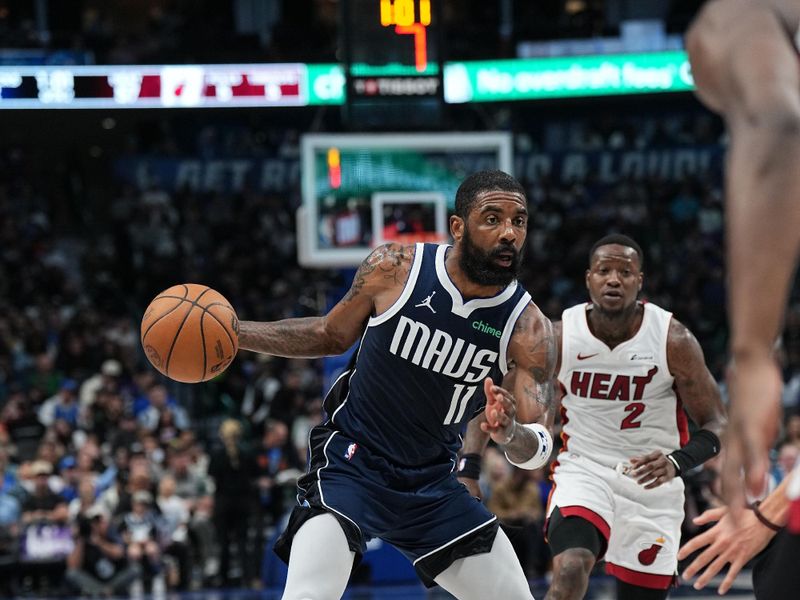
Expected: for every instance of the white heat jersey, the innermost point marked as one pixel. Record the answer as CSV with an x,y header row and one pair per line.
x,y
618,403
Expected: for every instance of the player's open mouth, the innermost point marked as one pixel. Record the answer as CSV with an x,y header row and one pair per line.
x,y
504,258
612,295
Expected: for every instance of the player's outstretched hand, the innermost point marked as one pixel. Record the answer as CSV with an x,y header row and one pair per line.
x,y
652,470
726,542
501,412
753,419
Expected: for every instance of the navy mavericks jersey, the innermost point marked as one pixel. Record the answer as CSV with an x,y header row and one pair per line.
x,y
418,376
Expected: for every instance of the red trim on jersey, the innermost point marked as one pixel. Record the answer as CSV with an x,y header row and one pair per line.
x,y
564,436
680,417
588,515
648,580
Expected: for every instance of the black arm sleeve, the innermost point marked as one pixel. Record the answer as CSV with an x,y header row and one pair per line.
x,y
704,444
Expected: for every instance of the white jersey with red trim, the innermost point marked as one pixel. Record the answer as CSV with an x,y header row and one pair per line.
x,y
618,403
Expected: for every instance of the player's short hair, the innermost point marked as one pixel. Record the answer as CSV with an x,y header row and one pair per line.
x,y
621,240
484,181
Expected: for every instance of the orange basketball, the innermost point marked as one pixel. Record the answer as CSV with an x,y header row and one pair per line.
x,y
190,333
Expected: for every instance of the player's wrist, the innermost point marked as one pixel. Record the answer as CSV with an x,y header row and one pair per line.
x,y
469,466
510,436
703,445
762,518
675,464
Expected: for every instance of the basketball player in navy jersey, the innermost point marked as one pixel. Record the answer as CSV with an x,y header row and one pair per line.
x,y
625,369
439,325
745,66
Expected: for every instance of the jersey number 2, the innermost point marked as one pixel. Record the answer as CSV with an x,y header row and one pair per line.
x,y
458,404
630,422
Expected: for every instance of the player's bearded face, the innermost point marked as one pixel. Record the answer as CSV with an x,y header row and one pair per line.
x,y
482,266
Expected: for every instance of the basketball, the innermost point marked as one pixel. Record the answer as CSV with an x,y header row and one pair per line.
x,y
190,333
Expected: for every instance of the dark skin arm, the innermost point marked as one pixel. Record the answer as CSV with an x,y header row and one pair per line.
x,y
745,68
525,396
699,394
527,389
377,284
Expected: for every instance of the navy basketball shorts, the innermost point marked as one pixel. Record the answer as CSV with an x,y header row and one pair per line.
x,y
424,512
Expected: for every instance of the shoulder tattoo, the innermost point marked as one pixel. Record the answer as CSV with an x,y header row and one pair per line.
x,y
392,261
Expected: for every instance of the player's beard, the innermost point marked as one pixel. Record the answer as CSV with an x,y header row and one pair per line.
x,y
480,266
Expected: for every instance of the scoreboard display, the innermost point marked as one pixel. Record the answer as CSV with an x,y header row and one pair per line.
x,y
393,63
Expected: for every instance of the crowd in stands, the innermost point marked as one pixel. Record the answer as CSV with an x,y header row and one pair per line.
x,y
112,477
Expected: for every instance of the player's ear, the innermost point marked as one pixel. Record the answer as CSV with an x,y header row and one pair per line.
x,y
641,280
456,227
586,279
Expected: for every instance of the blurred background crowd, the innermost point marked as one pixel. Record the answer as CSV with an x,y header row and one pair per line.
x,y
111,475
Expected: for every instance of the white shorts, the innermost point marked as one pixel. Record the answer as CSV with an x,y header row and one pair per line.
x,y
642,527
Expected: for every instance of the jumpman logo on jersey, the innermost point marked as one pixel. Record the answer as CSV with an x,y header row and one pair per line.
x,y
427,302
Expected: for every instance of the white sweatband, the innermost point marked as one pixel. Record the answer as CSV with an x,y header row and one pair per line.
x,y
539,459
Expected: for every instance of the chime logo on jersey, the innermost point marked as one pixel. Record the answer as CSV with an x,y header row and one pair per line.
x,y
608,386
648,555
351,450
440,352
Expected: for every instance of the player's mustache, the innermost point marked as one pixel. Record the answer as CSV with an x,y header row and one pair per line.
x,y
504,249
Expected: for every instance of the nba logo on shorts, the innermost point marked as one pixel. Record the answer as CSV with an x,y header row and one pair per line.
x,y
351,450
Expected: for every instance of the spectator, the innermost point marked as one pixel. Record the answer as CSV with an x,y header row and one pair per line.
x,y
233,470
139,529
70,477
517,503
10,510
85,500
97,565
62,405
46,537
274,459
43,504
160,404
175,515
107,379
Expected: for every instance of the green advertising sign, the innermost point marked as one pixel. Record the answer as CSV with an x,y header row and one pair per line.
x,y
325,84
537,79
532,79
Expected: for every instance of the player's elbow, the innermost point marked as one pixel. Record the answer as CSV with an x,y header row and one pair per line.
x,y
774,115
334,341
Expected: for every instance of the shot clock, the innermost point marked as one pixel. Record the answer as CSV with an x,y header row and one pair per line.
x,y
393,63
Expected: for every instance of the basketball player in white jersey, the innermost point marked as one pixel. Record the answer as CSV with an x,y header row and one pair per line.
x,y
744,57
626,368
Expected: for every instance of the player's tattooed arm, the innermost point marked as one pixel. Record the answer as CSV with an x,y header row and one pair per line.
x,y
533,354
694,383
377,283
